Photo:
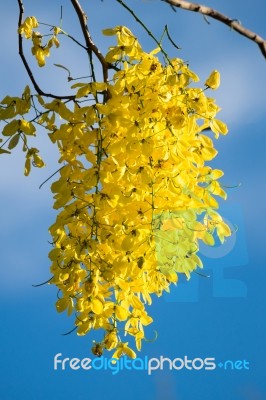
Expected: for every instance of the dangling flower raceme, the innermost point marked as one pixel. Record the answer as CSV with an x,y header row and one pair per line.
x,y
135,195
39,50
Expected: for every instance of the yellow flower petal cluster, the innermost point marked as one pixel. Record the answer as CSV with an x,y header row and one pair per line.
x,y
26,28
135,194
39,50
18,129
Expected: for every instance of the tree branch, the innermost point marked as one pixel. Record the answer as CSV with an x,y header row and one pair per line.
x,y
26,65
232,23
91,47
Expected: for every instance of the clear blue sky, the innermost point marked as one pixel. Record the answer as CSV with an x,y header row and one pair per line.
x,y
221,317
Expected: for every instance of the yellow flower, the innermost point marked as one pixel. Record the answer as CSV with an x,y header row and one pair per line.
x,y
27,27
124,349
213,81
135,194
111,340
32,156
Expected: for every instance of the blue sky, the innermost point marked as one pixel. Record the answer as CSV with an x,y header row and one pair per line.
x,y
223,316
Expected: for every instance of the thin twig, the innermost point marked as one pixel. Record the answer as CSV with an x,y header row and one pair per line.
x,y
43,283
26,65
232,23
170,39
46,180
68,333
146,29
72,38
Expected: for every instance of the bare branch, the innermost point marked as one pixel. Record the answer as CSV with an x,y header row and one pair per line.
x,y
26,65
233,23
91,47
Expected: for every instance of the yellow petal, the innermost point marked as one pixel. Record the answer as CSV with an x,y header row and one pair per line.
x,y
213,81
136,303
62,304
27,166
121,313
129,352
218,126
97,306
11,128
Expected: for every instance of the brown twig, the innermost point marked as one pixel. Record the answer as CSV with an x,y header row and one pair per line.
x,y
26,65
232,23
88,40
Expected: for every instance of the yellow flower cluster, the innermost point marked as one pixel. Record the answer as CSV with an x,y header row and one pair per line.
x,y
39,50
19,129
135,196
135,193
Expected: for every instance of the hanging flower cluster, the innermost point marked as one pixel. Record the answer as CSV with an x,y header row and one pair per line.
x,y
39,50
135,196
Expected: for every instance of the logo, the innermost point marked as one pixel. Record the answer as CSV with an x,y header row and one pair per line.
x,y
220,262
149,365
